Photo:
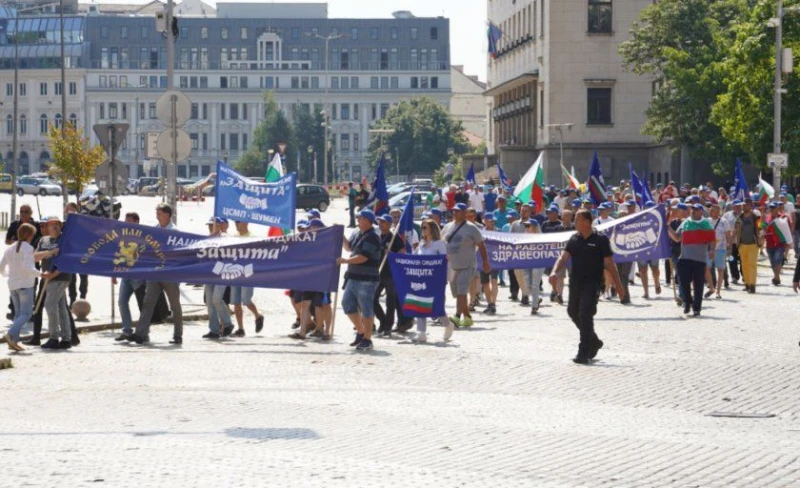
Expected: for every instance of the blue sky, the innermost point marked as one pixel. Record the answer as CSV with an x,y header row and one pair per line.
x,y
467,22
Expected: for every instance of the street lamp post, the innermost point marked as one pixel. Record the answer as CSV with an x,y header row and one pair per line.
x,y
313,160
560,129
780,69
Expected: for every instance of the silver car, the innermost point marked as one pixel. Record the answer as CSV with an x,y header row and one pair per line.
x,y
33,186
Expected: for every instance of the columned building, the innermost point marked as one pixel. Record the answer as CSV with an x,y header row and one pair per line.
x,y
558,77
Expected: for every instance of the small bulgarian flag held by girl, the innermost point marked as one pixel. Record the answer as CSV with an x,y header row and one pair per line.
x,y
765,191
697,231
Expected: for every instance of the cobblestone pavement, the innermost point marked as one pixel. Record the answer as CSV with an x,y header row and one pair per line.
x,y
501,405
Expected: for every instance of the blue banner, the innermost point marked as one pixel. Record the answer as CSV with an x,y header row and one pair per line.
x,y
639,237
420,282
239,198
302,261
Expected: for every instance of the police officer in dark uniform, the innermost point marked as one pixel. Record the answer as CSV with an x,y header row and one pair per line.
x,y
590,253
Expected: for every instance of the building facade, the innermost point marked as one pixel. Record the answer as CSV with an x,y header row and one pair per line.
x,y
558,79
224,66
468,103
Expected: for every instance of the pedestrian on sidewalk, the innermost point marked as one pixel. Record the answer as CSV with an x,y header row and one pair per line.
x,y
390,243
747,236
25,217
625,269
361,278
724,237
532,277
352,193
590,254
219,317
698,242
489,280
55,301
463,238
243,295
154,290
433,245
778,237
19,266
127,289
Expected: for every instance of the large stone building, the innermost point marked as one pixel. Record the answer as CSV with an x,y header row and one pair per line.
x,y
225,60
558,77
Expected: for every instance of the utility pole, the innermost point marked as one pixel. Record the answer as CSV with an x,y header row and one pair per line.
x,y
560,129
776,134
14,140
172,164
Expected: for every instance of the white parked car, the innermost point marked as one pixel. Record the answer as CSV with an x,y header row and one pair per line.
x,y
37,186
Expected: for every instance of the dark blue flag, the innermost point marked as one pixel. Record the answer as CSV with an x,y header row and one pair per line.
x,y
406,224
419,282
740,189
596,186
494,34
378,193
638,189
471,177
304,261
240,198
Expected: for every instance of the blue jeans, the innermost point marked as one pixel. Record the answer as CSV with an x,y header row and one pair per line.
x,y
22,299
359,295
217,310
242,295
126,289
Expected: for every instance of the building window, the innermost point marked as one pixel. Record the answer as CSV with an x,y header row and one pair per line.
x,y
103,32
384,110
43,121
434,33
9,124
268,83
244,142
204,82
374,111
296,82
123,32
315,82
395,82
194,137
204,33
374,33
102,110
73,88
335,82
195,111
345,83
205,111
234,112
345,111
112,110
599,106
23,89
205,141
43,88
151,110
295,33
414,33
334,111
23,124
143,32
354,82
73,120
142,111
600,17
304,83
124,111
423,83
345,144
223,82
414,82
373,82
243,32
394,33
9,89
223,141
384,82
355,142
224,33
234,145
434,82
244,111
184,32
222,112
354,33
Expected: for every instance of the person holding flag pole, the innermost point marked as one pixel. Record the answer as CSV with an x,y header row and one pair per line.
x,y
392,245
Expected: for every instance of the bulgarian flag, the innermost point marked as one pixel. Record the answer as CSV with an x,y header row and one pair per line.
x,y
531,186
697,231
421,305
274,173
570,179
765,191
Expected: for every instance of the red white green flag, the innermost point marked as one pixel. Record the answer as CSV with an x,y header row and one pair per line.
x,y
765,191
531,186
274,173
569,178
697,231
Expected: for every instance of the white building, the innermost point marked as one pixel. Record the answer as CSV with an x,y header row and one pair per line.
x,y
468,103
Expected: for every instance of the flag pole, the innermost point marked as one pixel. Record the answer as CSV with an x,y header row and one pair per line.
x,y
385,256
335,306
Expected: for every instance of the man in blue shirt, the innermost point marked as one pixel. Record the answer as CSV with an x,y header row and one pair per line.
x,y
500,217
489,200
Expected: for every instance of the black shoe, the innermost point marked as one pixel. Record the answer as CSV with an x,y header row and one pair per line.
x,y
598,345
626,301
227,331
176,340
259,324
559,299
553,296
525,301
513,298
211,336
239,333
404,327
686,308
64,345
76,341
51,344
33,342
387,333
708,293
137,339
696,313
534,310
122,337
358,340
296,324
10,316
581,360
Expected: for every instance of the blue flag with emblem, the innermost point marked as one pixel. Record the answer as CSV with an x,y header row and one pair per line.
x,y
378,193
740,190
240,198
505,181
471,177
406,223
420,282
638,189
304,261
596,186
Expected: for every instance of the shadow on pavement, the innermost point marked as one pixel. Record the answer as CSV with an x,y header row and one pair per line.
x,y
266,434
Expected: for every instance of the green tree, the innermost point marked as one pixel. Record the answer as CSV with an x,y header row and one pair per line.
x,y
308,131
273,130
744,111
74,159
423,133
680,45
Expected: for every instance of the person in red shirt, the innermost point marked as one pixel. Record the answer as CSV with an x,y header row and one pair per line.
x,y
451,197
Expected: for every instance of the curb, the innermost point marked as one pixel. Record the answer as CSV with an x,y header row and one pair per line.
x,y
101,327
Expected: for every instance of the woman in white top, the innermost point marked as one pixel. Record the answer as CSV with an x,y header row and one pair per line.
x,y
432,244
18,265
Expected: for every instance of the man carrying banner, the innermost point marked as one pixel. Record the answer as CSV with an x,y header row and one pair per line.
x,y
698,241
153,292
591,254
462,239
361,278
389,244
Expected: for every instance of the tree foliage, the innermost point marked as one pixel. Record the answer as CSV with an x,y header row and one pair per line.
x,y
423,132
308,131
74,159
273,130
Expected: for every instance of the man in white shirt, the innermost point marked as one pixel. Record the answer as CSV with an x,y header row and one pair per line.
x,y
724,234
476,198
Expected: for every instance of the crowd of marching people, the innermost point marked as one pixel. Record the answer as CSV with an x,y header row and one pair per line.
x,y
716,241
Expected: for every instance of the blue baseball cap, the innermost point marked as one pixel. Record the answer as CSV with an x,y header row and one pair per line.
x,y
367,214
697,206
695,198
314,214
606,206
532,222
576,202
302,224
319,223
512,214
649,204
630,203
425,215
773,205
562,192
436,211
783,194
531,203
553,209
385,218
501,197
216,220
682,206
737,202
460,206
488,216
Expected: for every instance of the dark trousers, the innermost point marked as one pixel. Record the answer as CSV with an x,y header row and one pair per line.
x,y
692,275
581,307
513,283
386,318
624,270
667,271
734,265
83,288
352,215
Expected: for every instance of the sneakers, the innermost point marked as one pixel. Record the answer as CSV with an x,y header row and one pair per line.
x,y
420,337
596,349
490,310
581,360
534,310
455,321
211,336
708,294
525,301
176,340
513,298
227,331
12,344
295,325
364,345
50,344
559,299
466,322
33,342
122,337
239,333
259,323
65,345
448,331
358,340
